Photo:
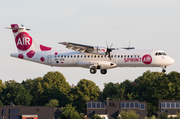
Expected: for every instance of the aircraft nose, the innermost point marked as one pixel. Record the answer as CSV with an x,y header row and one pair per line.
x,y
171,60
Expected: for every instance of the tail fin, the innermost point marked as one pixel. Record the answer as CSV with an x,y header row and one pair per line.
x,y
24,41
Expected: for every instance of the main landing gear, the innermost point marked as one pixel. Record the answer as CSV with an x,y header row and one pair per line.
x,y
93,70
164,70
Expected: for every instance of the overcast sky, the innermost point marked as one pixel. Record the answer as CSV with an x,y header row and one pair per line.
x,y
147,24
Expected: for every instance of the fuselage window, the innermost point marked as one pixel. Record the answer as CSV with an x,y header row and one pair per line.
x,y
94,56
128,56
156,53
77,56
98,56
114,56
160,53
81,56
67,56
121,56
74,56
84,56
138,56
91,56
101,56
58,55
55,56
61,56
88,56
135,56
71,56
124,56
131,56
118,56
64,56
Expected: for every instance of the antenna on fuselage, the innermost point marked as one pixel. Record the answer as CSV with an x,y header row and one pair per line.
x,y
129,48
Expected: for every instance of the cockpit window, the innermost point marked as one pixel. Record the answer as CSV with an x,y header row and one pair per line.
x,y
160,53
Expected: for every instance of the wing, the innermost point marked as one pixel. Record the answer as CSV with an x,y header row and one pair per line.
x,y
78,47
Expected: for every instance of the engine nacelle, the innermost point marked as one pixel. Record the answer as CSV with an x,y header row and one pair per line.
x,y
99,50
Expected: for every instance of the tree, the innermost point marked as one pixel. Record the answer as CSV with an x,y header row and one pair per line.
x,y
53,103
69,112
128,115
17,93
96,117
56,79
85,90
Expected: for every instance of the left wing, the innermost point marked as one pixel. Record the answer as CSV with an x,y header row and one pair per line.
x,y
85,48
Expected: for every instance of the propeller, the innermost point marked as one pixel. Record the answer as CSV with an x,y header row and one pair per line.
x,y
108,50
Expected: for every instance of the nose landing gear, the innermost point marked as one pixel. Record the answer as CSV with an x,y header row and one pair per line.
x,y
164,70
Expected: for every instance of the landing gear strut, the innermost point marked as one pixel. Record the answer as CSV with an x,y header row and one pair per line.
x,y
103,71
164,70
93,70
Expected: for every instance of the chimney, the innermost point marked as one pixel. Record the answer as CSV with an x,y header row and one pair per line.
x,y
107,101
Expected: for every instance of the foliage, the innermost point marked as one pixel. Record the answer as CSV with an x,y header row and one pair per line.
x,y
69,112
17,93
96,117
85,90
128,115
153,117
53,103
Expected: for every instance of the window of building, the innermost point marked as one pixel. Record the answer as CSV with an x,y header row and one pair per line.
x,y
93,105
127,105
131,105
88,105
98,105
172,105
136,105
141,106
177,105
122,105
163,105
13,111
14,116
168,105
102,105
3,111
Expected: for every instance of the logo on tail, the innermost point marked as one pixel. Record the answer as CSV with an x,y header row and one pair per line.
x,y
23,41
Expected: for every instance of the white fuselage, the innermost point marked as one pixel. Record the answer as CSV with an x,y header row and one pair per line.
x,y
119,58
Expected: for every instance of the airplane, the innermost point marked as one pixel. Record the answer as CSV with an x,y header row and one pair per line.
x,y
86,56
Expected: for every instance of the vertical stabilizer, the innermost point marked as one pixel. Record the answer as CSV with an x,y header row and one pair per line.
x,y
24,41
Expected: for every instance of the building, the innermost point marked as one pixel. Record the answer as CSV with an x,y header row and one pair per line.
x,y
110,109
172,107
29,112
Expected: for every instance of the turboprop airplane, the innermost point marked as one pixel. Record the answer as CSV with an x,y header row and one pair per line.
x,y
91,57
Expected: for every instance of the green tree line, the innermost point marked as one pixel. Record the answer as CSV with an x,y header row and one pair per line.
x,y
53,90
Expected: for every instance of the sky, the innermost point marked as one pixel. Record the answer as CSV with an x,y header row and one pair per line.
x,y
146,24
